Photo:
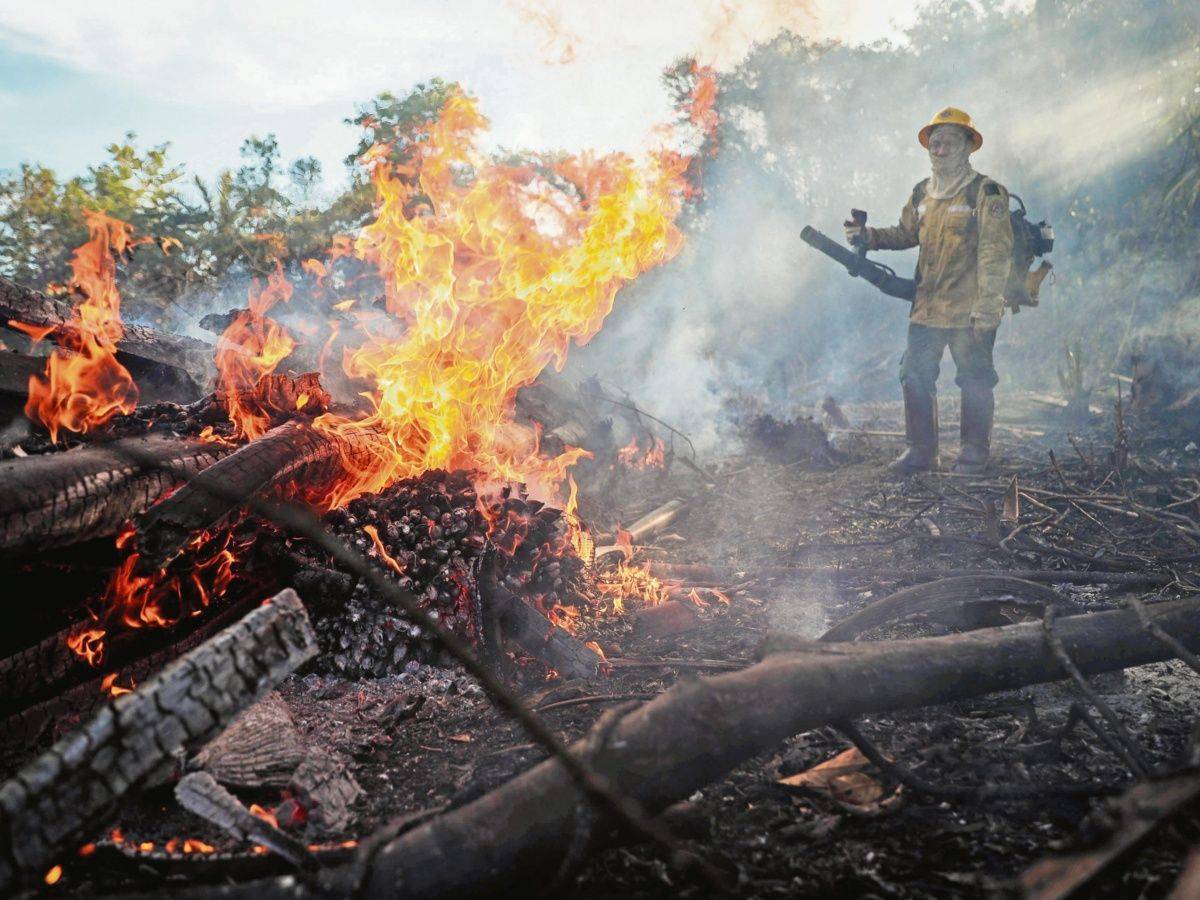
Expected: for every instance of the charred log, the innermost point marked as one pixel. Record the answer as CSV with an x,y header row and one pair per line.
x,y
293,453
58,499
73,788
537,635
200,794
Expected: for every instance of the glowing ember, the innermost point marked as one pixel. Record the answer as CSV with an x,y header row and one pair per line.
x,y
54,875
84,386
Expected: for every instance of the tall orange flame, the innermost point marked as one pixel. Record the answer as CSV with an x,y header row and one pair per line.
x,y
494,268
84,386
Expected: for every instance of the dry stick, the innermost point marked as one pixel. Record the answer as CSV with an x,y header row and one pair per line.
x,y
1120,741
1177,648
916,783
593,698
625,809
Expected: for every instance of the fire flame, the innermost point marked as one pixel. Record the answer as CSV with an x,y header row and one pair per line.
x,y
634,457
250,348
158,599
84,386
494,269
631,582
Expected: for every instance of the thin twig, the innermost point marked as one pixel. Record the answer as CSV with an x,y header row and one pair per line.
x,y
1120,741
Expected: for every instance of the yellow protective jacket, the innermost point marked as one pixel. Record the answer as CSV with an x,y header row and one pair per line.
x,y
965,255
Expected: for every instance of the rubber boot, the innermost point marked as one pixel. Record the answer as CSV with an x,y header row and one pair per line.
x,y
978,409
920,433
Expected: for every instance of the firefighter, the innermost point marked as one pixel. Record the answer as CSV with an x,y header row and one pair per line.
x,y
960,220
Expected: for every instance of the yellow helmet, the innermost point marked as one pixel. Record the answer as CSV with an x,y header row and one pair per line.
x,y
951,116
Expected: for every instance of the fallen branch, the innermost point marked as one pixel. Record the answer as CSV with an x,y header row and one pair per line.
x,y
293,453
700,574
508,839
61,797
936,597
56,499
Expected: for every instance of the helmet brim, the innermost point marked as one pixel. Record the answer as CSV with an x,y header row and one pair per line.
x,y
976,137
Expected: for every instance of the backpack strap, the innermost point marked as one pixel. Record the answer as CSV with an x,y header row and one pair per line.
x,y
973,190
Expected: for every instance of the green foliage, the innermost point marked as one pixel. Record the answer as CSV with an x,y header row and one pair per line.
x,y
399,123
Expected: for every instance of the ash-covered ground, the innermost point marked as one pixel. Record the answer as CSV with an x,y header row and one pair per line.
x,y
424,736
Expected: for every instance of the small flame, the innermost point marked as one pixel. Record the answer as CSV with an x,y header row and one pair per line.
x,y
633,457
628,582
108,683
84,385
373,534
250,348
265,814
54,875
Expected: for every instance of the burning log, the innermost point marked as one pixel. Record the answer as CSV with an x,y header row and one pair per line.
x,y
86,696
73,788
536,634
292,453
56,499
674,745
180,364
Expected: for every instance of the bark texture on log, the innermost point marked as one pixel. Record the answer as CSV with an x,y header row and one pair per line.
x,y
61,797
293,453
509,839
261,748
57,499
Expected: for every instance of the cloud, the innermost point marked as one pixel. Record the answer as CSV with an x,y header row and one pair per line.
x,y
601,90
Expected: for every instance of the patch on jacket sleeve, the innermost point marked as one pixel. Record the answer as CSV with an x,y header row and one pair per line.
x,y
996,209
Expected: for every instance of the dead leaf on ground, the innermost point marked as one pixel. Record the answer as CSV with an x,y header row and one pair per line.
x,y
843,779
